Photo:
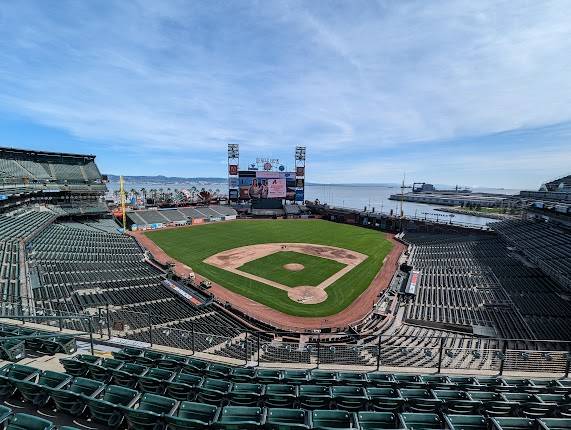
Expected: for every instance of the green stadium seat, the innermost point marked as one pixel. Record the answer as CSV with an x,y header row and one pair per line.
x,y
554,423
5,413
11,373
530,406
53,345
213,391
147,412
492,382
349,397
245,394
377,420
268,376
155,380
102,371
295,376
538,409
512,423
280,395
183,386
520,384
466,422
220,371
485,396
191,415
410,381
128,375
287,419
561,386
552,398
195,366
385,399
171,362
12,349
314,396
128,354
243,374
439,382
457,402
420,400
412,421
104,407
466,382
149,358
78,365
544,385
352,378
518,397
28,422
499,408
378,379
239,418
323,377
69,400
334,419
36,393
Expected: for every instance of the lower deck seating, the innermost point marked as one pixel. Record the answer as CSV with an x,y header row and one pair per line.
x,y
15,349
142,389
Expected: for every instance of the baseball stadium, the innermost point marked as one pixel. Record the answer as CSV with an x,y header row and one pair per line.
x,y
266,310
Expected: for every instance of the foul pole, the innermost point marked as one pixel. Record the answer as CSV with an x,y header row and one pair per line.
x,y
122,192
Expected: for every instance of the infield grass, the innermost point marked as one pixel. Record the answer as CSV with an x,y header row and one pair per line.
x,y
192,245
315,271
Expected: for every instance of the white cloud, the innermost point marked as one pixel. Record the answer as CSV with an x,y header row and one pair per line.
x,y
361,75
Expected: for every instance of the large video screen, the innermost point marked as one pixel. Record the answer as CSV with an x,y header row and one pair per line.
x,y
254,184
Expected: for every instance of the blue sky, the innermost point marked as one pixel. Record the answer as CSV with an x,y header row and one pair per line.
x,y
475,93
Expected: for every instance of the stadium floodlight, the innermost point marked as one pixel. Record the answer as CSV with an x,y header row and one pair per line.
x,y
233,150
300,153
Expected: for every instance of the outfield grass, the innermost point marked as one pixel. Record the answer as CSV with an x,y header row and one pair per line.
x,y
191,245
316,269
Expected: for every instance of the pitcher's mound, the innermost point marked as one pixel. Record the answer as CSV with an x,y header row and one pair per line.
x,y
307,295
294,267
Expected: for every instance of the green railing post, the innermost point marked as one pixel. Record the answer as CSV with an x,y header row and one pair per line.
x,y
108,316
192,341
379,353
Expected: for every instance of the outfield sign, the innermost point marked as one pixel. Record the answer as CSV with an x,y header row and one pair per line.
x,y
412,282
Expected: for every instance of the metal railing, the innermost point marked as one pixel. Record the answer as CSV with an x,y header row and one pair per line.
x,y
452,353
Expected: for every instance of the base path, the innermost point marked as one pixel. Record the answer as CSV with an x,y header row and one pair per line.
x,y
232,259
352,314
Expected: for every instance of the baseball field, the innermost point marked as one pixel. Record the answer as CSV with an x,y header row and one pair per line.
x,y
307,268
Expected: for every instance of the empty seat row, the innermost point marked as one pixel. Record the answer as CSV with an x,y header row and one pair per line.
x,y
111,404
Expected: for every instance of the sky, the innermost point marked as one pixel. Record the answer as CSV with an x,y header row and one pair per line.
x,y
476,93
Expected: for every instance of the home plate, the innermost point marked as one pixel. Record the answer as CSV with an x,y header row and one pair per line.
x,y
307,295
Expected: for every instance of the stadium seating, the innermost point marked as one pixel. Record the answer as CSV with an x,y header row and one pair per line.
x,y
545,244
496,403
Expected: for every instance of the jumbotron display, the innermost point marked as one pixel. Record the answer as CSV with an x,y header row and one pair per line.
x,y
267,178
267,185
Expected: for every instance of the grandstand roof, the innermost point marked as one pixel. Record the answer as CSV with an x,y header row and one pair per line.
x,y
557,184
35,153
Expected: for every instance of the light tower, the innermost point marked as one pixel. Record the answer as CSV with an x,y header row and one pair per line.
x,y
300,174
233,163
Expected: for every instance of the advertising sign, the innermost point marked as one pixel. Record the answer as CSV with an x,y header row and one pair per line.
x,y
299,196
262,185
300,171
276,188
232,169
